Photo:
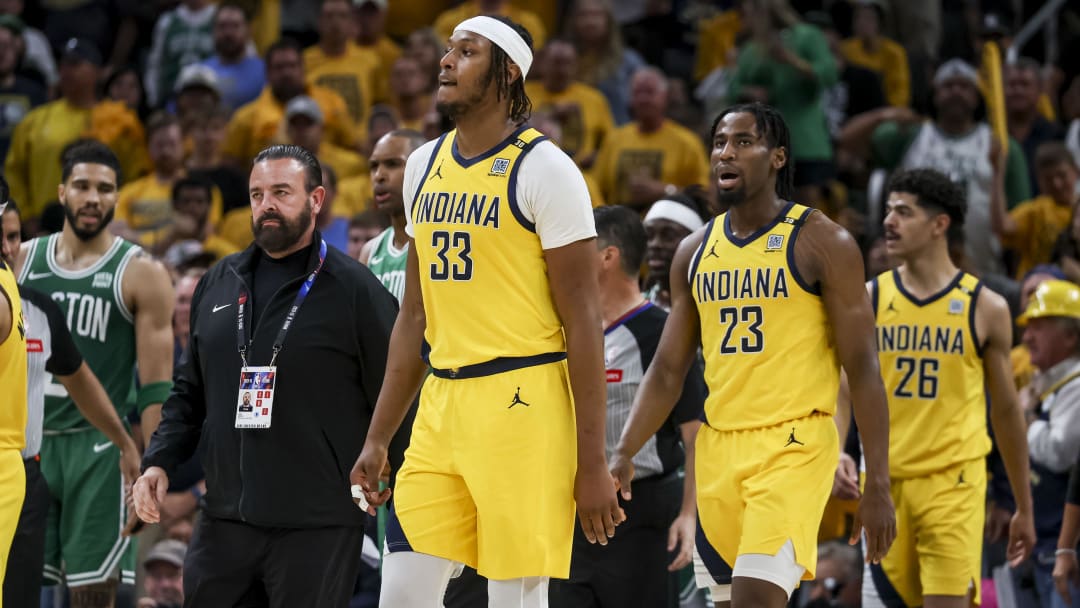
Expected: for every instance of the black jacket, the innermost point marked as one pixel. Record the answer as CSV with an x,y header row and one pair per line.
x,y
296,473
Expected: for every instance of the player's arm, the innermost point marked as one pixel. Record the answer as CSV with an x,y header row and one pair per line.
x,y
846,480
833,258
682,532
152,295
94,404
404,374
993,321
572,275
7,316
663,382
1001,222
365,252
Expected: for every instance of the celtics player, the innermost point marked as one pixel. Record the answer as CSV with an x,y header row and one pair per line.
x,y
501,298
385,254
943,341
118,304
774,292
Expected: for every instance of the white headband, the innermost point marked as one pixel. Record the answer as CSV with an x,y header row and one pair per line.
x,y
672,211
502,36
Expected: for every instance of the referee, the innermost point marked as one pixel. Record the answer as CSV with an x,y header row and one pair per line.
x,y
279,525
634,569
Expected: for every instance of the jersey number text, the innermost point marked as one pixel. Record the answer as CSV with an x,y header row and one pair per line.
x,y
927,371
459,269
731,316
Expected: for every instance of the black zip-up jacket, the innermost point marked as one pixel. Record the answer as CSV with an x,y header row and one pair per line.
x,y
296,473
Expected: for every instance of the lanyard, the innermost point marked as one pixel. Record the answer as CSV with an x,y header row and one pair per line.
x,y
242,340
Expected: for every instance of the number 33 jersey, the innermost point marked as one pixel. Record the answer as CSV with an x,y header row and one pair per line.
x,y
480,227
768,349
931,362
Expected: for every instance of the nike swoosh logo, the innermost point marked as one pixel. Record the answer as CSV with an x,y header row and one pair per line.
x,y
376,260
101,447
217,308
33,276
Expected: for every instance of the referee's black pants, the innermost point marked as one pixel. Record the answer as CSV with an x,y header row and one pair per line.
x,y
234,564
22,582
632,569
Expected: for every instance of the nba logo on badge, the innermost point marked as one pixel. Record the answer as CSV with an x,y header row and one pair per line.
x,y
500,166
956,307
775,242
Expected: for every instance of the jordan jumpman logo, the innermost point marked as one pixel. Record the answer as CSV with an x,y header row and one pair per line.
x,y
517,399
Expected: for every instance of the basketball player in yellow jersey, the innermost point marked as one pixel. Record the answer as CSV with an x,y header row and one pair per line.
x,y
501,297
774,291
12,405
942,340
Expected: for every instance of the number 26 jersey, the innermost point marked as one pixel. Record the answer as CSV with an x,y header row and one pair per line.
x,y
765,336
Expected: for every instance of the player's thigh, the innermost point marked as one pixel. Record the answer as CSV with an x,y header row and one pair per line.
x,y
12,492
719,474
895,580
950,530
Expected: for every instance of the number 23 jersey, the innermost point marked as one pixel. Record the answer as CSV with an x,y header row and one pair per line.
x,y
768,349
480,227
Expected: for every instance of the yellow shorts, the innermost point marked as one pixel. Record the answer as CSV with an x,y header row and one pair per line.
x,y
759,488
12,492
488,478
938,547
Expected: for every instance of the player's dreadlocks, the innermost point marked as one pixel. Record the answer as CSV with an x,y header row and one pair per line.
x,y
520,106
771,126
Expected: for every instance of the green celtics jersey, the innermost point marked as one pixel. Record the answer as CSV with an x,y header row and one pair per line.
x,y
387,263
100,322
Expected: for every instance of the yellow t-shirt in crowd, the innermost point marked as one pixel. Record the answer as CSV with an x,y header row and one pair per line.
x,y
32,167
354,75
388,52
345,163
145,205
671,154
448,20
889,61
595,195
1039,222
256,125
218,246
716,40
353,196
403,17
235,227
1020,363
585,121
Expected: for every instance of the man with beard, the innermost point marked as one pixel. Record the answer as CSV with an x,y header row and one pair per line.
x,y
668,222
240,72
279,525
501,296
118,303
385,254
773,292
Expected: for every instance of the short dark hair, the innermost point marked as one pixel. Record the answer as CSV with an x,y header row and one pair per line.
x,y
370,218
233,5
12,207
520,106
771,126
91,151
283,44
935,192
415,138
192,182
331,177
159,120
620,227
1051,154
312,168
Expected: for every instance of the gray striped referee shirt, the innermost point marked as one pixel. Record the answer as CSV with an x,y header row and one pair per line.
x,y
50,351
629,345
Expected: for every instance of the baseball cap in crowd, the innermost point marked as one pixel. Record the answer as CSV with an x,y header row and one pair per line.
x,y
302,105
956,68
80,49
196,75
381,4
169,551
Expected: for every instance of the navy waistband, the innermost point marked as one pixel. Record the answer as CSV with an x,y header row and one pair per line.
x,y
497,366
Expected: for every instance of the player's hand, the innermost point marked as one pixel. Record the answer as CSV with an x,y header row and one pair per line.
x,y
997,523
129,464
846,481
1021,537
622,472
1066,571
150,492
371,468
681,538
875,516
598,508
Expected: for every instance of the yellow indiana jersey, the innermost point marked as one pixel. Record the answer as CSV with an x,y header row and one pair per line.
x,y
12,367
768,349
931,362
482,271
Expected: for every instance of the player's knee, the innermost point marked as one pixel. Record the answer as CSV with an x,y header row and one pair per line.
x,y
526,592
414,579
765,581
99,595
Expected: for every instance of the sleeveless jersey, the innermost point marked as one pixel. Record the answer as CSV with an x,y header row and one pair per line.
x,y
766,338
12,368
100,323
482,271
931,362
387,263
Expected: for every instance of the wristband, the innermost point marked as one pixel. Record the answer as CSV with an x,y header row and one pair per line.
x,y
1061,552
153,393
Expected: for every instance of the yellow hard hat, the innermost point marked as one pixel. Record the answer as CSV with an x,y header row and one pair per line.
x,y
1053,298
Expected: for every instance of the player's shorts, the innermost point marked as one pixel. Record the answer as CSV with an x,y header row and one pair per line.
x,y
938,547
83,544
759,488
12,491
488,478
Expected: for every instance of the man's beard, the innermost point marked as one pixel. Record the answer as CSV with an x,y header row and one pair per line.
x,y
274,239
732,198
84,234
456,109
286,91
